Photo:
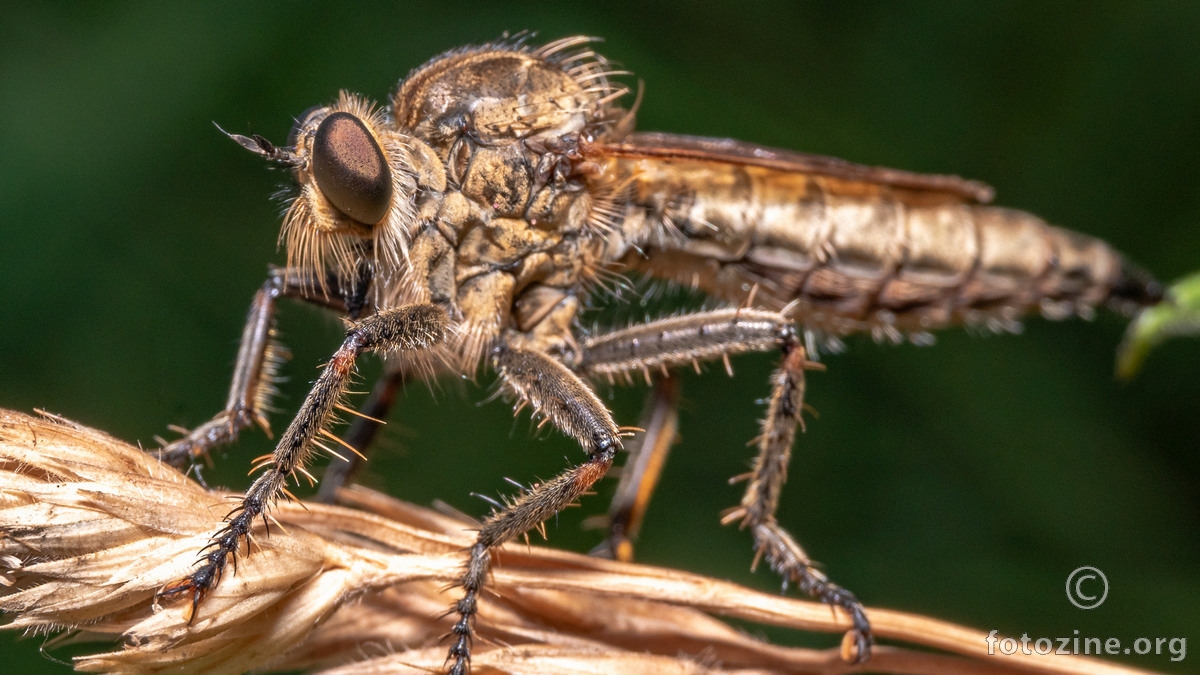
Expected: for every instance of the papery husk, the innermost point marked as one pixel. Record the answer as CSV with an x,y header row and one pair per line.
x,y
92,528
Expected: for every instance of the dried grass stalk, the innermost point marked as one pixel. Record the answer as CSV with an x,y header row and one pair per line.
x,y
91,528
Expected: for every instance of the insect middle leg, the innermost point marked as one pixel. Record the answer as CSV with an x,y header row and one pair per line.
x,y
557,395
717,334
408,328
259,356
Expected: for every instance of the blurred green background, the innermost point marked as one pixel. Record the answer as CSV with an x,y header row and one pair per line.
x,y
965,481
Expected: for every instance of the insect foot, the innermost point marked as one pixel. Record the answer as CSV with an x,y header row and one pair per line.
x,y
788,560
213,559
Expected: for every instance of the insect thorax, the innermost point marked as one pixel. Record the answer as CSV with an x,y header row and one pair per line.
x,y
493,214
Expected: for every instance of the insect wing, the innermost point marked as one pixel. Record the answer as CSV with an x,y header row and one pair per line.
x,y
684,148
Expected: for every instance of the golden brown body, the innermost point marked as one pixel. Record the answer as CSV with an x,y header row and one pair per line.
x,y
517,181
858,255
469,221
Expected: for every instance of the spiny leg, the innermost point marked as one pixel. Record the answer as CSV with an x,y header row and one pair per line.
x,y
360,435
560,397
761,500
407,328
639,476
680,340
715,334
259,357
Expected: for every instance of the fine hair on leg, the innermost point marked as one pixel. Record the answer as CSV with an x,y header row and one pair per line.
x,y
252,387
559,397
701,336
406,329
361,435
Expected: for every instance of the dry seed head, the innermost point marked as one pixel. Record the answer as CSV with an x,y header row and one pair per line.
x,y
91,528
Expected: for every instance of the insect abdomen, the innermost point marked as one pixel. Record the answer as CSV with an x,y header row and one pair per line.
x,y
862,256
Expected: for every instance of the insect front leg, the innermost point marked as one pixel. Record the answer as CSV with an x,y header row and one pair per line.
x,y
560,397
259,357
408,328
361,434
716,334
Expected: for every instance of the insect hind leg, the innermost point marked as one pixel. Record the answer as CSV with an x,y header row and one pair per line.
x,y
702,336
761,500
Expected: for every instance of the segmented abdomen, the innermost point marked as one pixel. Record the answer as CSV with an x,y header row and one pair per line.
x,y
863,256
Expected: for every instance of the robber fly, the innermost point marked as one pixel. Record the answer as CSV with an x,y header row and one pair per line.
x,y
465,224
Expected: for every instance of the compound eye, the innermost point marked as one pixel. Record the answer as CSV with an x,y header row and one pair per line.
x,y
350,168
